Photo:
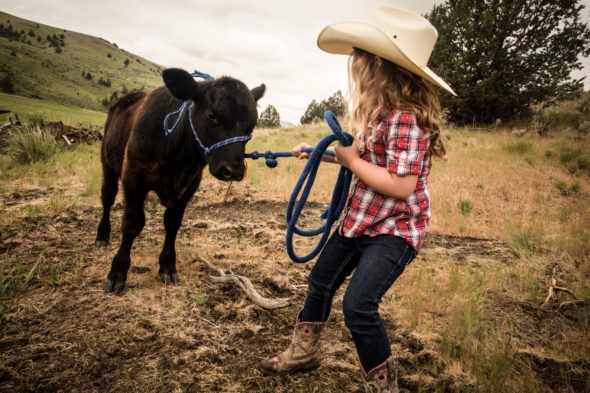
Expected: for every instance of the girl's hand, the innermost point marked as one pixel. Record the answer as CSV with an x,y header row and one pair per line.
x,y
346,155
297,151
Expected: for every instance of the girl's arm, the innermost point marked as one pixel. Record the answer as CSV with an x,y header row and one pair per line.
x,y
376,177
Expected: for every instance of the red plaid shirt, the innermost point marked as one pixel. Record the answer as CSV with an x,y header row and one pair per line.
x,y
399,146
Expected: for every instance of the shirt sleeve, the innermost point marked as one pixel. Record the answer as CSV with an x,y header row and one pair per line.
x,y
406,147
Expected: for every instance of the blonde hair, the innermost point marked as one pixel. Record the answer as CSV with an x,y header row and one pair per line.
x,y
377,84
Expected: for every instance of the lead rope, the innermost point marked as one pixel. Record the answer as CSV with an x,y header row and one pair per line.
x,y
305,182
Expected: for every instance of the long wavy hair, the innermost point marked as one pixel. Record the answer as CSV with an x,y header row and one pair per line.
x,y
376,85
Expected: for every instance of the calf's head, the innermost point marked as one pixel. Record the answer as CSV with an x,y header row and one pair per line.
x,y
222,109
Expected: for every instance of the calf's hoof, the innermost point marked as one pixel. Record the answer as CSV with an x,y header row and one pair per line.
x,y
101,242
111,286
169,278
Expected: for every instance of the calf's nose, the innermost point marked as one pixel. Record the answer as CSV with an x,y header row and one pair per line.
x,y
228,173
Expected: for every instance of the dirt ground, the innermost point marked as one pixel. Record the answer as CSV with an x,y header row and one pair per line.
x,y
64,334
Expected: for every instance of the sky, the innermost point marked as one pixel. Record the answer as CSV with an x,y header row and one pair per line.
x,y
257,41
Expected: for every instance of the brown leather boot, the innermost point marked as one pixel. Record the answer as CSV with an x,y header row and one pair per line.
x,y
382,378
301,355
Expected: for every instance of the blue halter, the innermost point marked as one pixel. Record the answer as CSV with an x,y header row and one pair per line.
x,y
188,106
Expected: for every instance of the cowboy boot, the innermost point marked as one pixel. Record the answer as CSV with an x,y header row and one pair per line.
x,y
301,355
382,378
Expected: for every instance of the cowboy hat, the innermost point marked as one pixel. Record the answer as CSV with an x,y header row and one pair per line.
x,y
400,36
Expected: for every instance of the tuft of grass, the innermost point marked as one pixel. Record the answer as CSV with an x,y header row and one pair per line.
x,y
31,145
518,147
565,189
465,206
523,239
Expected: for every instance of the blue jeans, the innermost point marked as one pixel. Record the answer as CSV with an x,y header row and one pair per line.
x,y
378,261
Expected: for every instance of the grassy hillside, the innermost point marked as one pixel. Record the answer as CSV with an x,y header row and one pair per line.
x,y
67,67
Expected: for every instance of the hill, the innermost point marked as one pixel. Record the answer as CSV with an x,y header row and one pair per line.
x,y
66,67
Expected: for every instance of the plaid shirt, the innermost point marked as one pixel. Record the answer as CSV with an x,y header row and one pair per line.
x,y
397,145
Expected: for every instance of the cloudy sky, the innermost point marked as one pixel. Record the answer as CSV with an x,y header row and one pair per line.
x,y
257,41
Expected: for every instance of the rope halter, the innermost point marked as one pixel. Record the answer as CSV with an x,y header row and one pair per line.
x,y
188,106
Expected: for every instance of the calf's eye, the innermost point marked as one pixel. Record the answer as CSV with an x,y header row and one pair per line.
x,y
211,116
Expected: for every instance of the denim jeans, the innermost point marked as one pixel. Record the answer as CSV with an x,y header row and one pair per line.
x,y
378,261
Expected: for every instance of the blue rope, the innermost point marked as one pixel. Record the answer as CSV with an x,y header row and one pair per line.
x,y
271,156
339,194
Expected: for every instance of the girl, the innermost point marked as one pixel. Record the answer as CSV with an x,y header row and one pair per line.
x,y
395,117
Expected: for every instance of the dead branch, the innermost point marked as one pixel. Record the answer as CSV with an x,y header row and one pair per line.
x,y
245,285
554,288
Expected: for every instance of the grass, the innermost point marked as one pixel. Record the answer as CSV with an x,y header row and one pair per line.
x,y
31,145
14,278
29,109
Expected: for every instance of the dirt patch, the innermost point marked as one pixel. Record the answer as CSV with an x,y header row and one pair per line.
x,y
63,333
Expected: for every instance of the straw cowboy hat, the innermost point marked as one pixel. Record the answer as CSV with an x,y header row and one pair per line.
x,y
400,36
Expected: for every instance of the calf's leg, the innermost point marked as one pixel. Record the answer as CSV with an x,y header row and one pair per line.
x,y
172,221
110,180
133,223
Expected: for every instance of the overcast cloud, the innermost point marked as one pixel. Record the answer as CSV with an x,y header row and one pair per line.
x,y
256,41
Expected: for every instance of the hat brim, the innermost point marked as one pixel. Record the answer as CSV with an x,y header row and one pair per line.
x,y
341,38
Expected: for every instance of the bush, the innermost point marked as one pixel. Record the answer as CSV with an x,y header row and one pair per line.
x,y
30,145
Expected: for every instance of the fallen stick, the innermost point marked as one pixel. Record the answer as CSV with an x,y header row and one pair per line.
x,y
245,285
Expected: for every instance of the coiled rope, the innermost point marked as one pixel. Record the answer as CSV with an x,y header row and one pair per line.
x,y
305,183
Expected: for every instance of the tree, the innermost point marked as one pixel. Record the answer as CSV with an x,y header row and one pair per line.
x,y
336,104
503,56
315,111
269,118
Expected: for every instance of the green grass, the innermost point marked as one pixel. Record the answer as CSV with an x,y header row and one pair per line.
x,y
31,110
465,206
519,147
574,156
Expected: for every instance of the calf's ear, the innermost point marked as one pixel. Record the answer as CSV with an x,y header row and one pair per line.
x,y
258,92
180,83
